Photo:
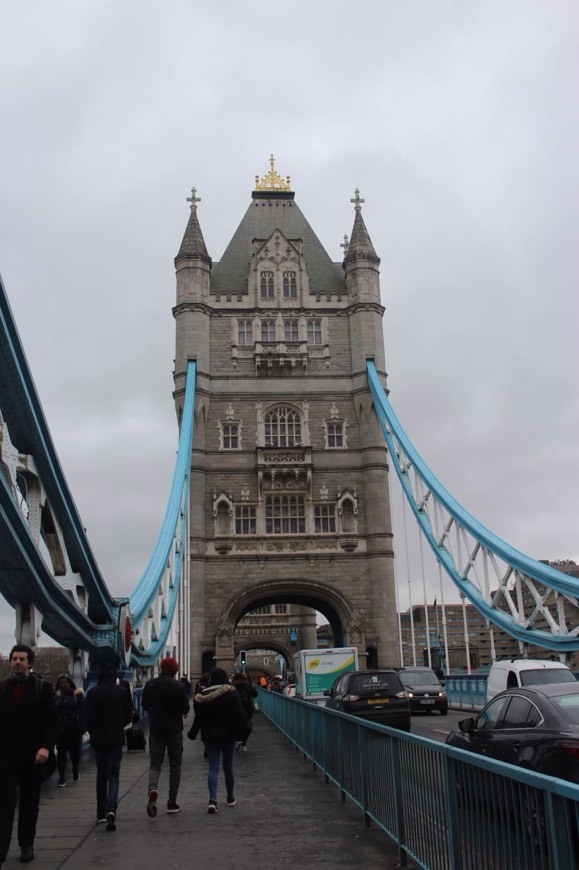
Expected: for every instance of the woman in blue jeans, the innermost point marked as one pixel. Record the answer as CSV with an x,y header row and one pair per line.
x,y
221,720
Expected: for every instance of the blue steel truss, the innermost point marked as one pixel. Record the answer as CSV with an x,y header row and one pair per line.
x,y
46,562
527,599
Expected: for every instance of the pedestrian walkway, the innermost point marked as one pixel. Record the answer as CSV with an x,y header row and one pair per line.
x,y
286,817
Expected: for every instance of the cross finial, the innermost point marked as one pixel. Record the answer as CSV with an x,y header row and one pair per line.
x,y
193,199
271,162
357,200
345,244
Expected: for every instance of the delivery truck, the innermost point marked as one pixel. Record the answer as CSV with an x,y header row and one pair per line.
x,y
316,670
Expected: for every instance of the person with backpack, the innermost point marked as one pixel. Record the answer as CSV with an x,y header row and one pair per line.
x,y
247,693
70,726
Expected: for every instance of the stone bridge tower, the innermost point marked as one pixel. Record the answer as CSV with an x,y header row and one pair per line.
x,y
289,476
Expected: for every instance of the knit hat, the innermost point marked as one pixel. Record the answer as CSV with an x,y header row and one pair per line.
x,y
169,666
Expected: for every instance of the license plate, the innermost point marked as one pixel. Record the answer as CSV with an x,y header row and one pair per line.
x,y
378,700
427,702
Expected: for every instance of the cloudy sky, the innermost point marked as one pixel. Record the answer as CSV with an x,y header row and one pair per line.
x,y
457,121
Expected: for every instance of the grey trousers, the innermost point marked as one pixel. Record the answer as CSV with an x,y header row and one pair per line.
x,y
174,745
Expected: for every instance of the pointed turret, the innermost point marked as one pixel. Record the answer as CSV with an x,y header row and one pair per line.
x,y
193,268
361,267
360,245
193,245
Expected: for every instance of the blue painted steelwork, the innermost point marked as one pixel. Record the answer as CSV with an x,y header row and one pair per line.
x,y
25,577
517,577
77,608
171,543
445,808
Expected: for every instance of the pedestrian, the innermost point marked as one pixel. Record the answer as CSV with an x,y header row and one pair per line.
x,y
220,718
27,737
108,712
187,683
246,692
202,683
165,698
71,726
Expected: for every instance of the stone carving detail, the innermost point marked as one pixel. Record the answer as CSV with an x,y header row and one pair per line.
x,y
354,628
324,491
224,632
245,492
286,547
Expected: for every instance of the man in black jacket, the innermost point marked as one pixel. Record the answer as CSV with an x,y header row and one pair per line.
x,y
27,735
108,710
166,701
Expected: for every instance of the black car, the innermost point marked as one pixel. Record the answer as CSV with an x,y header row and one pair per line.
x,y
536,728
376,695
424,690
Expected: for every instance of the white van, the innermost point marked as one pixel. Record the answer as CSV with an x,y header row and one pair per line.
x,y
513,673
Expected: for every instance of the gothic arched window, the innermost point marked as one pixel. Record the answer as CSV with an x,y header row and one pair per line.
x,y
289,285
283,428
266,285
268,330
290,330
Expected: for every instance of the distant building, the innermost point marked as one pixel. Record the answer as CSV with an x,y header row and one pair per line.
x,y
477,631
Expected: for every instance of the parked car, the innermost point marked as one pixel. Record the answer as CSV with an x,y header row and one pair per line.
x,y
424,690
376,695
535,727
510,673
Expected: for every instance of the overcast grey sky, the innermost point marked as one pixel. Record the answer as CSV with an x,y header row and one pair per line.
x,y
457,121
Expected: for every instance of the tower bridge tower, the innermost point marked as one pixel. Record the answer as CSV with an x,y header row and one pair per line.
x,y
289,477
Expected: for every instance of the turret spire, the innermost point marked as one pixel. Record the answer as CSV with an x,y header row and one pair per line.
x,y
193,244
360,242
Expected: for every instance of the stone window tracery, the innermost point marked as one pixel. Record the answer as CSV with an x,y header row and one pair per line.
x,y
268,330
324,518
266,288
291,330
282,428
314,331
285,515
245,520
289,285
245,332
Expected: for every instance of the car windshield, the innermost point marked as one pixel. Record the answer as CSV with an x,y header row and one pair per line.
x,y
419,678
568,706
361,684
543,676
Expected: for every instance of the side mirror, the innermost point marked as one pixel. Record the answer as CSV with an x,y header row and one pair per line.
x,y
467,725
327,693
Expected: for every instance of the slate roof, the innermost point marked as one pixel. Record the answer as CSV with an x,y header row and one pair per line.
x,y
268,212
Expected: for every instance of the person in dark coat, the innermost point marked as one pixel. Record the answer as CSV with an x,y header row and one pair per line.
x,y
165,698
246,692
70,717
27,737
108,712
221,720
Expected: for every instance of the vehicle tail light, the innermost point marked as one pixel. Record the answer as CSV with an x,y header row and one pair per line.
x,y
570,748
351,697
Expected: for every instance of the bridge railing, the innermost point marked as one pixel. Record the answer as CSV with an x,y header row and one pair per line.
x,y
445,808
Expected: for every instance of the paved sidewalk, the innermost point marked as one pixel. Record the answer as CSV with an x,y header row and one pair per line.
x,y
286,817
